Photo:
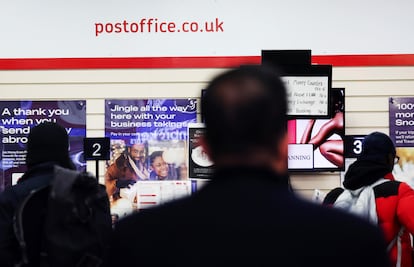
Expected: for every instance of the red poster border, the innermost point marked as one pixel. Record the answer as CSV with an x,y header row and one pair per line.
x,y
194,62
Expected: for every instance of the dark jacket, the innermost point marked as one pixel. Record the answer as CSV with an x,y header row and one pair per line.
x,y
246,217
36,177
394,204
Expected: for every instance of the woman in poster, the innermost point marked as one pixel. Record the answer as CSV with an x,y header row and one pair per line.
x,y
161,170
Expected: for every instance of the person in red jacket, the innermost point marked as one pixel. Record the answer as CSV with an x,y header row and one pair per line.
x,y
394,200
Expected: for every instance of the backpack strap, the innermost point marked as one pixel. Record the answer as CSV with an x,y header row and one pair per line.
x,y
19,220
397,239
360,201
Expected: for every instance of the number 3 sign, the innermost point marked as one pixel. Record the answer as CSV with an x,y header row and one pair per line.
x,y
353,145
96,148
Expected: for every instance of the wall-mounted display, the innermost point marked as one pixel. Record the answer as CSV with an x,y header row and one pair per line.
x,y
317,144
18,117
308,86
308,90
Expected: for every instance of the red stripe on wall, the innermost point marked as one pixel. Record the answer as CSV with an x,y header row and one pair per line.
x,y
365,60
193,62
126,63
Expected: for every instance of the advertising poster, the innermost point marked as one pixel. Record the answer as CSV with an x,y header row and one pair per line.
x,y
199,164
148,143
18,117
318,144
401,119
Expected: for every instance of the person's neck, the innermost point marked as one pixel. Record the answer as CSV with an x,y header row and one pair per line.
x,y
257,161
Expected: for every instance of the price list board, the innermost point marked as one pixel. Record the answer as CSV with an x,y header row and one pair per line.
x,y
307,96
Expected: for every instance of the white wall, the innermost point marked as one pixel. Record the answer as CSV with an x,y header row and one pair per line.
x,y
367,90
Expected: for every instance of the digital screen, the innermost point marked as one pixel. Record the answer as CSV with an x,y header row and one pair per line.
x,y
307,95
308,91
318,144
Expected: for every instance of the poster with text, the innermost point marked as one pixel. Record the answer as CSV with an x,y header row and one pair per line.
x,y
401,119
18,117
148,142
199,164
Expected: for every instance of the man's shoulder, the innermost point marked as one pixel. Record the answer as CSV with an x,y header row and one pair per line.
x,y
13,195
334,219
299,224
331,224
36,181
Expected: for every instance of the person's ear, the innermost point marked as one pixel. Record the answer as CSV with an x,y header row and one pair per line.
x,y
283,146
281,160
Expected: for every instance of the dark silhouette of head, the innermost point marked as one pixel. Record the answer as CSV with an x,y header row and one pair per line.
x,y
48,142
245,112
378,147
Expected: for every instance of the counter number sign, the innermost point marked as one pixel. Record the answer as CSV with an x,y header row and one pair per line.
x,y
353,145
96,148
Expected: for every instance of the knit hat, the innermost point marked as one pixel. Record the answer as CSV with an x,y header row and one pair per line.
x,y
48,142
377,146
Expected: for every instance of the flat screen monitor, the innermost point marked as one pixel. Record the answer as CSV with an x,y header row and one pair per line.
x,y
308,90
317,144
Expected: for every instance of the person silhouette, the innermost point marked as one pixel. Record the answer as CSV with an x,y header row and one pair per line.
x,y
47,146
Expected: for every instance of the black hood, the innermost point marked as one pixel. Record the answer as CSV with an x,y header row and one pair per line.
x,y
364,172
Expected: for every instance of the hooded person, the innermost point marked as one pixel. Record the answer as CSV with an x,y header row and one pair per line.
x,y
47,146
372,192
48,143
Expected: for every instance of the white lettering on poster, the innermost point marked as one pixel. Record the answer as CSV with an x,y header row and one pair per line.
x,y
16,122
403,118
151,118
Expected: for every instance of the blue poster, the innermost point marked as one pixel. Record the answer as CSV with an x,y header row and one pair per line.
x,y
18,117
150,127
148,147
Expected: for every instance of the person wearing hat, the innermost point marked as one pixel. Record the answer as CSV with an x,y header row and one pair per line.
x,y
388,203
47,146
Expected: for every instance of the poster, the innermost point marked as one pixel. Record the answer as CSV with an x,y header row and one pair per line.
x,y
148,143
18,117
144,195
199,164
401,120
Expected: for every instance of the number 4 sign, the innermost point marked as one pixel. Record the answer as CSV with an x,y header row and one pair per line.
x,y
96,148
